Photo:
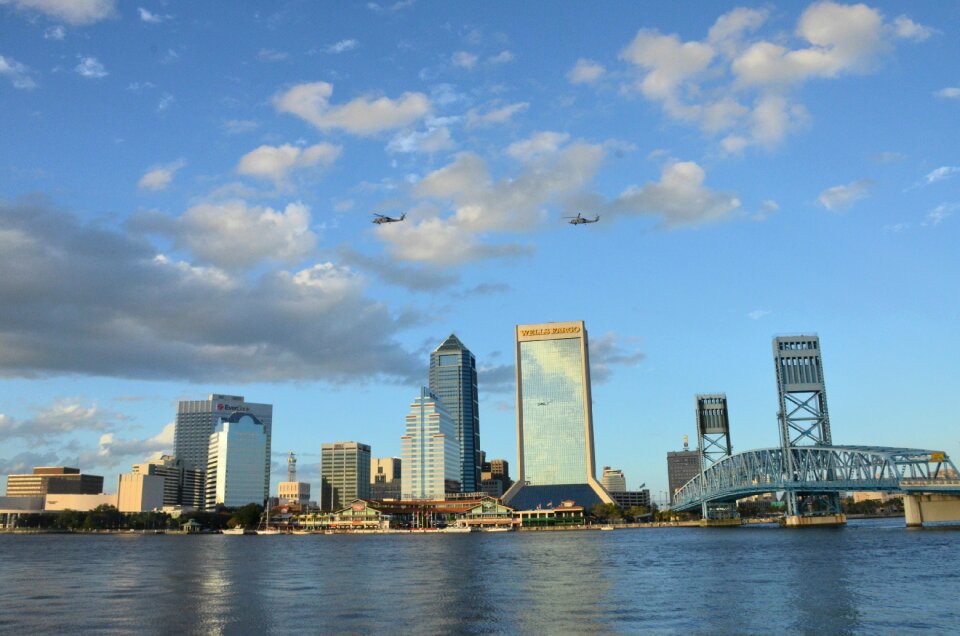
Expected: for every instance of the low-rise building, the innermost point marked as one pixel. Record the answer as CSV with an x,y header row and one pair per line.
x,y
631,498
566,514
56,480
293,492
138,492
80,503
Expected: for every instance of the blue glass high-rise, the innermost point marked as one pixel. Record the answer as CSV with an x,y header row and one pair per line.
x,y
453,379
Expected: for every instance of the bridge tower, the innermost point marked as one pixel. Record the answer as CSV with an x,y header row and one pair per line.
x,y
713,430
803,414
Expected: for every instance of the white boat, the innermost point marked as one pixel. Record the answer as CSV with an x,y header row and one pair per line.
x,y
456,529
237,530
497,529
268,531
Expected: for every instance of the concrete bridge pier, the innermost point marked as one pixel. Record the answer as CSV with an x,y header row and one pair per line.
x,y
919,509
819,521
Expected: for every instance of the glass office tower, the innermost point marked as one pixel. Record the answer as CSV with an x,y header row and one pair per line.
x,y
235,462
431,453
453,378
554,418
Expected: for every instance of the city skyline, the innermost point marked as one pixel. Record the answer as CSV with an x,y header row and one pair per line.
x,y
186,197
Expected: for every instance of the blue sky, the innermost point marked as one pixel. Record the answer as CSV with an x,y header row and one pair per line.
x,y
186,194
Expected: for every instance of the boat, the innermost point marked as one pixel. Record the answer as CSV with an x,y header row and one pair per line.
x,y
498,529
457,529
265,522
268,531
237,530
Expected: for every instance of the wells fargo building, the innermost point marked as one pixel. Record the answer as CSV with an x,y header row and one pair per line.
x,y
554,418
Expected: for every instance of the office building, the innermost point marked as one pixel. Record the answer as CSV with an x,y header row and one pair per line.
x,y
53,480
555,458
431,453
181,486
344,474
613,480
631,498
494,477
453,379
235,463
196,420
139,492
682,466
385,478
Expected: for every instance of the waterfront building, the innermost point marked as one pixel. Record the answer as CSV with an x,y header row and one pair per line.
x,y
81,503
431,453
196,420
453,378
613,480
182,486
567,513
235,463
53,480
139,492
631,498
682,466
344,474
293,492
555,458
492,487
385,474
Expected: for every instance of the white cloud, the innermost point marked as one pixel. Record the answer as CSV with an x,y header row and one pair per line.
x,y
740,88
90,67
166,101
537,145
17,73
159,177
464,59
940,174
757,314
429,141
361,116
679,198
483,208
276,162
70,11
495,115
585,72
907,29
500,58
54,33
342,46
151,18
63,416
950,92
937,215
606,352
842,197
400,5
270,55
114,450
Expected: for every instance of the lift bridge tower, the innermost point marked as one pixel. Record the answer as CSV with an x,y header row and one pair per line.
x,y
803,415
713,430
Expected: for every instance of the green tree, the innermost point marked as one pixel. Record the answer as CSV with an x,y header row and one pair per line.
x,y
246,517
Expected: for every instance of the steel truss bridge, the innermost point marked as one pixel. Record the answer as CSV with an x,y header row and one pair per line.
x,y
819,470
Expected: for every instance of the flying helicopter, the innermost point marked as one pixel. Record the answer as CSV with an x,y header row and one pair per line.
x,y
581,220
379,219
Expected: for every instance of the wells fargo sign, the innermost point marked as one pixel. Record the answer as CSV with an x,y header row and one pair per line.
x,y
549,331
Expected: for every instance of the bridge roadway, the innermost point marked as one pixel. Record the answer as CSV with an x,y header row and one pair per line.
x,y
821,469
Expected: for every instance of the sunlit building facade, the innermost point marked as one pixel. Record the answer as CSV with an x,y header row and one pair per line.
x,y
344,474
235,462
555,457
431,453
453,378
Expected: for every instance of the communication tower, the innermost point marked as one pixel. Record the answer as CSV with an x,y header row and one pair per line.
x,y
291,467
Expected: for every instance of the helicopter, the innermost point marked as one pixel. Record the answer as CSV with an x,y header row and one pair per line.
x,y
581,220
379,219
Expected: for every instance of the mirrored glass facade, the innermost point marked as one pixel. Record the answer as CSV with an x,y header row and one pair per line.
x,y
554,439
453,378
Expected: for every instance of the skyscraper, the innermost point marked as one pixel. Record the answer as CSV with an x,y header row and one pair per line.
x,y
196,420
181,486
344,474
555,459
682,466
453,378
235,462
431,453
613,480
385,478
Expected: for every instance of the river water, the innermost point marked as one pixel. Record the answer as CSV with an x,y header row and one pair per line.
x,y
872,577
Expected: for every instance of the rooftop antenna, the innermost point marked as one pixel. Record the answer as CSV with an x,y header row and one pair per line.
x,y
291,467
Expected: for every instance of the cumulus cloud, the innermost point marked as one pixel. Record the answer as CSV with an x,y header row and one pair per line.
x,y
61,417
537,145
414,278
607,352
342,46
495,115
483,207
151,18
159,177
679,198
90,67
841,197
464,59
85,299
741,88
276,162
70,11
114,450
233,235
361,116
585,72
429,141
17,73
